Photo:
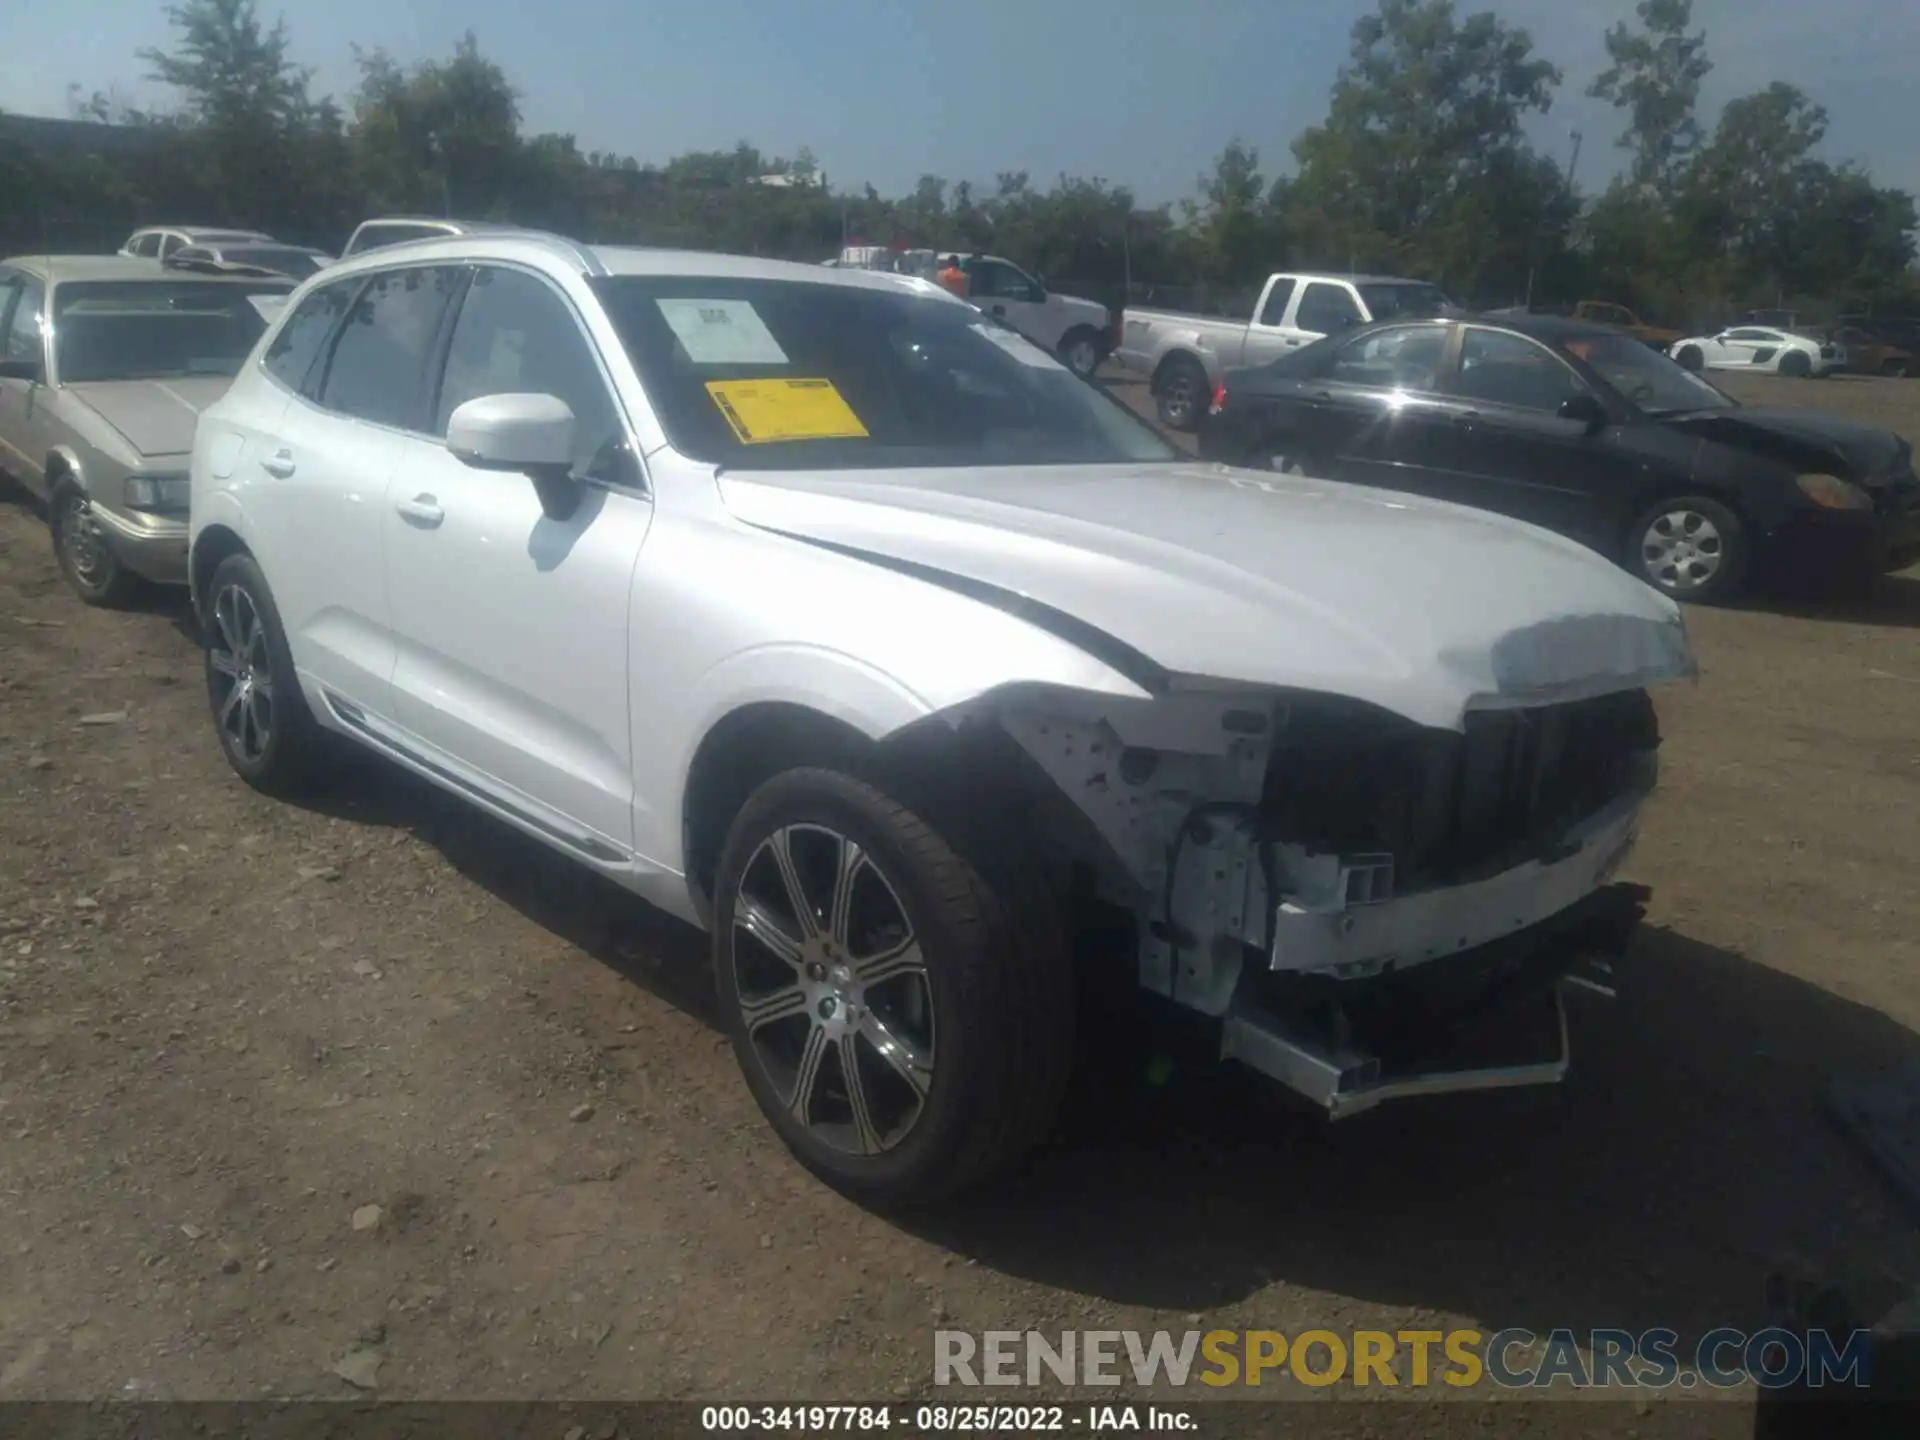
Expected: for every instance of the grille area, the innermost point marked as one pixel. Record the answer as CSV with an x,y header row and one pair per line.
x,y
1448,806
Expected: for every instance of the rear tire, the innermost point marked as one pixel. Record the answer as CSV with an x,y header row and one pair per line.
x,y
1689,547
84,554
1079,351
1691,357
1180,394
1795,365
912,1033
266,732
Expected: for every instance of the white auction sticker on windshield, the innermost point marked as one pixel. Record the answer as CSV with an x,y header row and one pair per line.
x,y
722,332
1018,346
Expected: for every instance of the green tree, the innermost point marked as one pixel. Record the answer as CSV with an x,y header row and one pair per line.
x,y
1424,126
1654,75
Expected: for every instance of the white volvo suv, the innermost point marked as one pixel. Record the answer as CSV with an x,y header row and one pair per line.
x,y
818,609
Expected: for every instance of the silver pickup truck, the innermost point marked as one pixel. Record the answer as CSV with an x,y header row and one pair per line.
x,y
1184,356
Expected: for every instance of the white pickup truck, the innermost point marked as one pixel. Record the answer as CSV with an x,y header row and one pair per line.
x,y
1184,356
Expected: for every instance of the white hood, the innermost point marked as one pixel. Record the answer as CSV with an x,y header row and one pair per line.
x,y
1422,607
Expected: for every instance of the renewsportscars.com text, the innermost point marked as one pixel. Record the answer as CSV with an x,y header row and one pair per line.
x,y
1511,1359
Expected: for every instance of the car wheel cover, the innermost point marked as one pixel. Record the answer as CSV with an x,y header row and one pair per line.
x,y
1682,550
1083,358
835,1000
81,545
242,689
1179,398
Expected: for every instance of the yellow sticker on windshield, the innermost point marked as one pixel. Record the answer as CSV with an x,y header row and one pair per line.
x,y
761,411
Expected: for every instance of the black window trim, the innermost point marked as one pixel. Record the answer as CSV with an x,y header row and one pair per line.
x,y
326,341
443,345
316,380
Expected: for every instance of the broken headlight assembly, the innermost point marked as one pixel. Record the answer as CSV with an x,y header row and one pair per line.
x,y
1830,492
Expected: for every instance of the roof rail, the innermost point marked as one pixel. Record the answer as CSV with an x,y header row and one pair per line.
x,y
573,250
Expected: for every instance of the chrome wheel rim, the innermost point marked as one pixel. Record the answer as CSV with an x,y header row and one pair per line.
x,y
833,989
241,673
1082,358
1682,550
1179,400
80,543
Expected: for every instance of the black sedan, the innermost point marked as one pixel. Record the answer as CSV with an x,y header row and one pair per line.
x,y
1585,431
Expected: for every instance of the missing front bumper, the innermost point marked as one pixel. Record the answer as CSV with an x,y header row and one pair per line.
x,y
1504,1026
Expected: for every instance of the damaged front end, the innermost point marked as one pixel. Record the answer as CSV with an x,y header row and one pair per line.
x,y
1369,907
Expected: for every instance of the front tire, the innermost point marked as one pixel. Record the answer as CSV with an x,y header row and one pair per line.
x,y
84,555
1180,394
1689,547
266,732
902,1014
1691,357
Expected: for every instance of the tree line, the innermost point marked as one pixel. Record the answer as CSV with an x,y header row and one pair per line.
x,y
1421,167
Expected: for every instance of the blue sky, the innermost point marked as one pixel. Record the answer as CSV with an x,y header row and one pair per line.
x,y
1138,91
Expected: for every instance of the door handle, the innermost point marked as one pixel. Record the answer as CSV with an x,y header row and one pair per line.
x,y
1465,417
279,464
1000,310
1293,342
422,508
1320,397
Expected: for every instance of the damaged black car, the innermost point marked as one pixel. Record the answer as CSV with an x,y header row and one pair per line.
x,y
1586,432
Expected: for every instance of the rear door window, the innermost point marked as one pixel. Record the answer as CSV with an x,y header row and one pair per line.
x,y
1274,312
1504,369
298,343
381,357
1405,357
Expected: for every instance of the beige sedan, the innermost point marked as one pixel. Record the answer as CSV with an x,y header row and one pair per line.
x,y
105,365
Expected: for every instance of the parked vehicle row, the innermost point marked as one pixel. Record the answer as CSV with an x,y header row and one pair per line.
x,y
1184,356
823,611
1586,432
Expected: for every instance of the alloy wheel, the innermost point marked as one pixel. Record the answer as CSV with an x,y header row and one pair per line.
x,y
243,684
833,989
85,551
1083,357
1682,550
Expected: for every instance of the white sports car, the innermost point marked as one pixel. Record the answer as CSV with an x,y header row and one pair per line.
x,y
936,685
1761,348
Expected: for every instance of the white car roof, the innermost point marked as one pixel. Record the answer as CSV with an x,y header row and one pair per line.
x,y
534,247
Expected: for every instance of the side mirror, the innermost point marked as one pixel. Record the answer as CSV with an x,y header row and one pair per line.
x,y
27,370
513,432
532,434
1586,411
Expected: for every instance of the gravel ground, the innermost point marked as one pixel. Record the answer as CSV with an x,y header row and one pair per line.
x,y
376,1094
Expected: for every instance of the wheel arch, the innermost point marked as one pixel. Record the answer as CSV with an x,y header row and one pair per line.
x,y
1178,356
63,464
213,545
740,752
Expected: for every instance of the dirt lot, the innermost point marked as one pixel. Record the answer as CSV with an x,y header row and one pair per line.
x,y
227,1025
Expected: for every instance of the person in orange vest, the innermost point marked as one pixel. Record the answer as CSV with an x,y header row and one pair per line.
x,y
952,276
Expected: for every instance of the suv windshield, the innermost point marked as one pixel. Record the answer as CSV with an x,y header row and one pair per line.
x,y
155,329
759,374
1646,377
1404,301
